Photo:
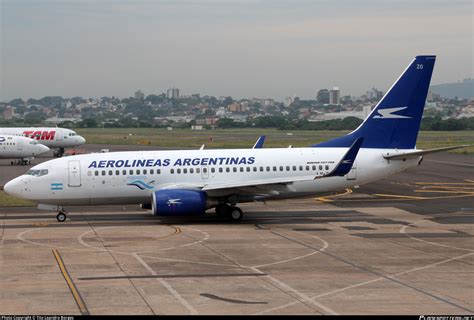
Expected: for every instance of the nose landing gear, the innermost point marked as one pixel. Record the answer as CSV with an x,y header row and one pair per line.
x,y
61,217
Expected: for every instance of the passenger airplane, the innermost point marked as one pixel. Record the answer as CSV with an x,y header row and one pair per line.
x,y
56,138
174,183
22,148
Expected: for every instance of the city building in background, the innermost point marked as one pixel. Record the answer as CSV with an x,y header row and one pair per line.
x,y
139,95
335,96
172,93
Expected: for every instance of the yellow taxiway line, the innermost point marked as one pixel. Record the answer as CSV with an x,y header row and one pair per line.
x,y
75,293
327,198
398,196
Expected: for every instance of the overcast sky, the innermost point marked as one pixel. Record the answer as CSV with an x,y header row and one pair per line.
x,y
248,48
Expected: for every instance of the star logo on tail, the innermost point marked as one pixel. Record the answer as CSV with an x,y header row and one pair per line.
x,y
388,113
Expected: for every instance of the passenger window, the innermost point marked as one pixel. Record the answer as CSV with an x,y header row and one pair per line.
x,y
124,172
191,170
152,171
172,171
241,169
327,167
261,169
254,169
274,168
111,172
117,172
144,171
213,170
220,170
96,173
138,171
301,168
281,168
227,169
131,172
178,171
204,170
103,172
307,168
294,168
158,171
314,168
320,167
287,168
268,168
234,169
185,170
198,170
248,169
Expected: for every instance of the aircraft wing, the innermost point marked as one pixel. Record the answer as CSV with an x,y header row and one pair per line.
x,y
252,183
415,154
342,168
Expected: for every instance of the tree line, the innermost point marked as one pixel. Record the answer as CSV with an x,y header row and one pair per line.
x,y
278,122
348,123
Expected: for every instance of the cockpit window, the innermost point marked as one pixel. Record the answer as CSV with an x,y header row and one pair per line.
x,y
72,134
37,173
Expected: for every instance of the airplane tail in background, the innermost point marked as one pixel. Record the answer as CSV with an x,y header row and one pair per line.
x,y
395,121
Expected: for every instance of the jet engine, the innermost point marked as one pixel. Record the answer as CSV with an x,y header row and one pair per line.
x,y
180,202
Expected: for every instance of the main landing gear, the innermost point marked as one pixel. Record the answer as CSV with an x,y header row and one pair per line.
x,y
61,217
21,162
58,153
232,213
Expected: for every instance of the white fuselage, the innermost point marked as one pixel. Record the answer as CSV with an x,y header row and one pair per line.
x,y
50,137
131,177
17,147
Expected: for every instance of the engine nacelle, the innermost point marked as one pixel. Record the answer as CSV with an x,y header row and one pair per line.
x,y
179,202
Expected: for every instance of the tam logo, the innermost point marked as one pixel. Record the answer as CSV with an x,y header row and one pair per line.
x,y
40,135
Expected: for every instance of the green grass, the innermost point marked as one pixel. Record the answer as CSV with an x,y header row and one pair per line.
x,y
9,201
245,138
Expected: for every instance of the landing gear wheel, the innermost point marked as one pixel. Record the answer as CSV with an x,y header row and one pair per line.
x,y
235,214
222,210
59,153
61,217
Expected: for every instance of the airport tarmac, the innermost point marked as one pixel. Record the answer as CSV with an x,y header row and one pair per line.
x,y
402,245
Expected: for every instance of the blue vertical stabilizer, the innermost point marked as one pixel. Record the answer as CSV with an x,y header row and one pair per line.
x,y
395,121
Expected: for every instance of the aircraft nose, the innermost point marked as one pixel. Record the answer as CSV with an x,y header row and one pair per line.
x,y
13,187
81,140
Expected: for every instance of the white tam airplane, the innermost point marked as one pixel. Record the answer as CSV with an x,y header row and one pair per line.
x,y
174,183
22,148
55,138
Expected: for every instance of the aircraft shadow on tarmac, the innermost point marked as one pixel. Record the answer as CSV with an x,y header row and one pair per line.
x,y
251,218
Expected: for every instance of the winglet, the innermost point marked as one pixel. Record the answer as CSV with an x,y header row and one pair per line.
x,y
259,143
345,165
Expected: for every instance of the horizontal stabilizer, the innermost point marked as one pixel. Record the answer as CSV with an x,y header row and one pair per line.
x,y
414,154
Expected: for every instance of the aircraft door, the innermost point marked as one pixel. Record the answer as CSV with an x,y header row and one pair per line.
x,y
352,175
19,145
74,173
